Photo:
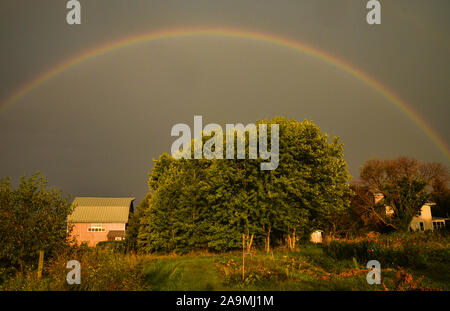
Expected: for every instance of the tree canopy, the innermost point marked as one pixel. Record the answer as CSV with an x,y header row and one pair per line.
x,y
32,218
212,203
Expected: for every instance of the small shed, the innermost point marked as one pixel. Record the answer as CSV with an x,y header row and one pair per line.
x,y
316,236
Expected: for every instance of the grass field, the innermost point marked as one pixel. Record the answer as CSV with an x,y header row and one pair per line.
x,y
308,268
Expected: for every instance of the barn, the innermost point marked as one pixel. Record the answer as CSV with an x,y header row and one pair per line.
x,y
97,219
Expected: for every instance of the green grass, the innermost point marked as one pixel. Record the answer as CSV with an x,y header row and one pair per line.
x,y
182,273
308,268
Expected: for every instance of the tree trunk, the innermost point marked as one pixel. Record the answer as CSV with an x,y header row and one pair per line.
x,y
293,241
249,244
289,241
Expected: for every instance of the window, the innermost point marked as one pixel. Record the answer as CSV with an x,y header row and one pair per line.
x,y
96,228
421,226
438,225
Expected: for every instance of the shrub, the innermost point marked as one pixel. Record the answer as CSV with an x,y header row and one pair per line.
x,y
115,246
32,218
101,270
411,249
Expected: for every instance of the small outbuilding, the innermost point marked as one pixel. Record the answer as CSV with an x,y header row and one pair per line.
x,y
316,236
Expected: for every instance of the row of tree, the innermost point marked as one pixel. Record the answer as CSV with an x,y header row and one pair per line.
x,y
212,204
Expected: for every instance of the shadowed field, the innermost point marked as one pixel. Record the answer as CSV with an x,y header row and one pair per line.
x,y
308,268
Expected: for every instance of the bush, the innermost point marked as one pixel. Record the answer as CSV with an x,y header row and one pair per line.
x,y
101,270
115,246
398,249
32,218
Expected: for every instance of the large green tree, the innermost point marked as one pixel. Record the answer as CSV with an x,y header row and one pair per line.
x,y
213,203
32,218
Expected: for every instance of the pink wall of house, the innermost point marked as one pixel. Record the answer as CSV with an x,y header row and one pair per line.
x,y
80,231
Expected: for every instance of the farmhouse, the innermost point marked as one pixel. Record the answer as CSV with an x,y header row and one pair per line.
x,y
425,220
99,219
421,222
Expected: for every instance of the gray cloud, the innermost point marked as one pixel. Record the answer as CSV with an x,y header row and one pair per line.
x,y
94,129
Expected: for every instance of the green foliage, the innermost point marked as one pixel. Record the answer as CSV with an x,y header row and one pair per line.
x,y
134,223
308,268
114,246
442,200
406,184
416,250
198,204
32,218
406,196
101,270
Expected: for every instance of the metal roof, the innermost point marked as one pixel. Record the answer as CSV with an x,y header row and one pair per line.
x,y
101,210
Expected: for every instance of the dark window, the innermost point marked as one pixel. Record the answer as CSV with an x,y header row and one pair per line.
x,y
421,226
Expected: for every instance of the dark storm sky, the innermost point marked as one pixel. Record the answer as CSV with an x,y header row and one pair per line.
x,y
94,129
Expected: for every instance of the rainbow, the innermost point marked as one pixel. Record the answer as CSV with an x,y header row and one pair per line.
x,y
236,33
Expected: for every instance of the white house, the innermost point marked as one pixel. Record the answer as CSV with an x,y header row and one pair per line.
x,y
426,221
423,221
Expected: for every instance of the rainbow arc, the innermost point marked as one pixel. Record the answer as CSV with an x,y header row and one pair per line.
x,y
236,33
